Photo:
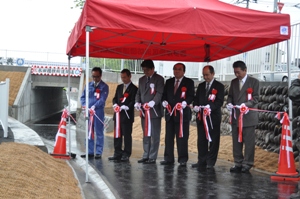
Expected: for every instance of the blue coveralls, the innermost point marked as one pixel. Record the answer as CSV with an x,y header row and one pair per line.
x,y
99,111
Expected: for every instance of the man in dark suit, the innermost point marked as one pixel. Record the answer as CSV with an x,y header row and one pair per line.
x,y
123,104
148,101
178,93
209,94
244,91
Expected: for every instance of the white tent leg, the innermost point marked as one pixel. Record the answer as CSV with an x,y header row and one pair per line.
x,y
87,71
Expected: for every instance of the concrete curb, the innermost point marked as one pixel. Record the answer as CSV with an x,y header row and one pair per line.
x,y
24,134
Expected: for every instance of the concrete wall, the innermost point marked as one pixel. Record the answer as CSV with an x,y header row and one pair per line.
x,y
13,68
36,103
54,81
115,77
20,109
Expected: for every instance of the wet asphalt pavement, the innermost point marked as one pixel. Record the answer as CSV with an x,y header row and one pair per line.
x,y
134,180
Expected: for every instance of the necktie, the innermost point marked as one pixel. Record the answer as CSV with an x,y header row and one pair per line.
x,y
241,84
124,88
176,86
147,83
207,88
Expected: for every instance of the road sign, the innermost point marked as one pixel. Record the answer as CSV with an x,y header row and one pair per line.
x,y
20,61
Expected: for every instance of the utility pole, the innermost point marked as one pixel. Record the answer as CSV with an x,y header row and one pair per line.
x,y
275,6
247,4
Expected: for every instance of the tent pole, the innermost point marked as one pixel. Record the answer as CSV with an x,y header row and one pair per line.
x,y
289,83
87,71
69,104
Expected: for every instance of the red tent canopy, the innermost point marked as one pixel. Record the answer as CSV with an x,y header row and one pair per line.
x,y
181,30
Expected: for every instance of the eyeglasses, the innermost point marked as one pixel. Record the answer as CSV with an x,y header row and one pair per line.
x,y
96,77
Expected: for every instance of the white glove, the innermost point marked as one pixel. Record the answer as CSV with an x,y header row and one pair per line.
x,y
207,106
137,106
116,108
124,107
151,103
183,104
165,103
115,105
92,110
196,109
229,106
242,104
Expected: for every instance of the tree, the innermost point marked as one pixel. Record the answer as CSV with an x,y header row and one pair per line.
x,y
79,4
10,61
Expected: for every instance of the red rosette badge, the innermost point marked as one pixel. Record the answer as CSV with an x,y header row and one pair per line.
x,y
213,95
97,93
183,91
249,93
122,99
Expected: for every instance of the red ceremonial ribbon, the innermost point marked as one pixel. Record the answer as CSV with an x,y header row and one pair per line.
x,y
168,107
243,110
206,112
122,99
179,108
98,93
249,93
117,130
198,113
213,94
91,125
183,90
147,125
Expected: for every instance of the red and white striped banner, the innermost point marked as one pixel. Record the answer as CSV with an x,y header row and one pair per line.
x,y
56,71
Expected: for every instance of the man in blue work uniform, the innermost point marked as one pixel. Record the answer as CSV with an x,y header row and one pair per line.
x,y
98,92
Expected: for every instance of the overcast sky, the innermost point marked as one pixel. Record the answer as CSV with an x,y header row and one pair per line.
x,y
36,25
44,25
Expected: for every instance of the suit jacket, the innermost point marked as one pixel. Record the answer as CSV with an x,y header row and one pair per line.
x,y
144,95
172,99
202,100
131,91
237,97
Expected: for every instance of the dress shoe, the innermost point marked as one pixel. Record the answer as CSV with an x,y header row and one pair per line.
x,y
197,165
236,169
142,160
150,161
97,156
245,170
89,156
209,166
114,158
164,162
124,159
182,164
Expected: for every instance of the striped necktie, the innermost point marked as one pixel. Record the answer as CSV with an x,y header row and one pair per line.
x,y
207,89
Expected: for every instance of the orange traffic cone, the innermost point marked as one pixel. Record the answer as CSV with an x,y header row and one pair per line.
x,y
286,164
60,147
286,189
